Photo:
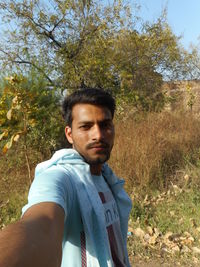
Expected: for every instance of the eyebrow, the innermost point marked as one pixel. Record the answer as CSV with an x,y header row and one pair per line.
x,y
89,122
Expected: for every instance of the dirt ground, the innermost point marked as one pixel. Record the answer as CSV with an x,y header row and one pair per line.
x,y
161,263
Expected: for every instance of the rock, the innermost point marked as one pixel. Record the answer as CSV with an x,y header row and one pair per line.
x,y
150,230
185,249
164,251
172,212
174,237
152,240
187,234
191,239
167,235
156,232
195,260
175,249
139,232
146,238
196,250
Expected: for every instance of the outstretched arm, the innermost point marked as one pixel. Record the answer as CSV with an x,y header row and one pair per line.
x,y
35,240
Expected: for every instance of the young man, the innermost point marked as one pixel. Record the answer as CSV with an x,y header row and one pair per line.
x,y
77,211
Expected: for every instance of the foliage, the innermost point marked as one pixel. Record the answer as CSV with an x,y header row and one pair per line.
x,y
174,208
10,211
70,36
28,109
190,64
29,115
92,44
167,226
191,97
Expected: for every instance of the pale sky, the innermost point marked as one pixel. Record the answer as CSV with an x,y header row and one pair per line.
x,y
183,17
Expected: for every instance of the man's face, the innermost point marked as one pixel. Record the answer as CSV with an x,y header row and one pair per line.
x,y
92,132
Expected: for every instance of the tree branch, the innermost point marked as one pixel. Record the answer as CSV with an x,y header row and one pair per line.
x,y
22,61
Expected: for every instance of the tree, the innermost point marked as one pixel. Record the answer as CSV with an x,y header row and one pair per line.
x,y
76,44
66,40
29,115
143,60
191,63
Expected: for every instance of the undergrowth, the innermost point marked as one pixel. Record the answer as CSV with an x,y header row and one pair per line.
x,y
159,157
149,152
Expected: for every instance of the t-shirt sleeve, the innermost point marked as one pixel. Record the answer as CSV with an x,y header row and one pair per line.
x,y
53,185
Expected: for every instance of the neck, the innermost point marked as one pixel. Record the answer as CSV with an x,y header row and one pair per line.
x,y
95,169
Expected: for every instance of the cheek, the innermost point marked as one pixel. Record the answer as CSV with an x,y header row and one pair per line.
x,y
111,134
80,138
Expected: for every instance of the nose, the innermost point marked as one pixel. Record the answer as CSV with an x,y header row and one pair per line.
x,y
97,133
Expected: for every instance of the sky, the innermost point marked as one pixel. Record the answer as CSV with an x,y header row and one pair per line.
x,y
182,15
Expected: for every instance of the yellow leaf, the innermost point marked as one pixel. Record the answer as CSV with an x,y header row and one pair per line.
x,y
8,145
16,138
4,134
15,100
9,114
17,107
32,122
5,149
9,79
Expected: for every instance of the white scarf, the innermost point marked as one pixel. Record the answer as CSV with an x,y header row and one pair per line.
x,y
98,249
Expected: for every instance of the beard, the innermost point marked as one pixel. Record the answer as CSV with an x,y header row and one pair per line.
x,y
100,157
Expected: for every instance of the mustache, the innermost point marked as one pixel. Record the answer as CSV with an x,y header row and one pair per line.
x,y
97,144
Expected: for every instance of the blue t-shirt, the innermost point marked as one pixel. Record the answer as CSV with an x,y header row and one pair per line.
x,y
54,185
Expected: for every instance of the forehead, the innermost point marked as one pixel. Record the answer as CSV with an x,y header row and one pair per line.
x,y
89,112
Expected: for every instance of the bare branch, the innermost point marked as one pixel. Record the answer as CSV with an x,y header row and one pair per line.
x,y
26,62
57,24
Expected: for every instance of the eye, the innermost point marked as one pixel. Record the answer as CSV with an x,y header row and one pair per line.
x,y
106,124
85,127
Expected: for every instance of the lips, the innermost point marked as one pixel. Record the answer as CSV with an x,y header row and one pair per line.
x,y
98,146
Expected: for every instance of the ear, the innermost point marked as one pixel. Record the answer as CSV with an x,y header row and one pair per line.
x,y
68,134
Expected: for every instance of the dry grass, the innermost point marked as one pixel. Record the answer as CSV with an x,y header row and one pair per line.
x,y
149,151
152,150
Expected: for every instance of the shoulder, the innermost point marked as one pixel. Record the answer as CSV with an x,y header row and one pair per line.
x,y
54,174
52,185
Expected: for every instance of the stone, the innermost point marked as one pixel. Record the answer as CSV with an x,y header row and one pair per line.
x,y
150,230
185,249
176,249
139,232
196,250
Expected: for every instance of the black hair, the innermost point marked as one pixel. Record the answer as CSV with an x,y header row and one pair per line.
x,y
91,96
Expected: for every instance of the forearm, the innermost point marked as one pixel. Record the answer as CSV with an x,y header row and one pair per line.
x,y
28,244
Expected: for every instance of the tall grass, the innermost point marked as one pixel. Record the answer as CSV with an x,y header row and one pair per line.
x,y
150,150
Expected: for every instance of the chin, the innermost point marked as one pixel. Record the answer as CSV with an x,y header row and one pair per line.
x,y
97,160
